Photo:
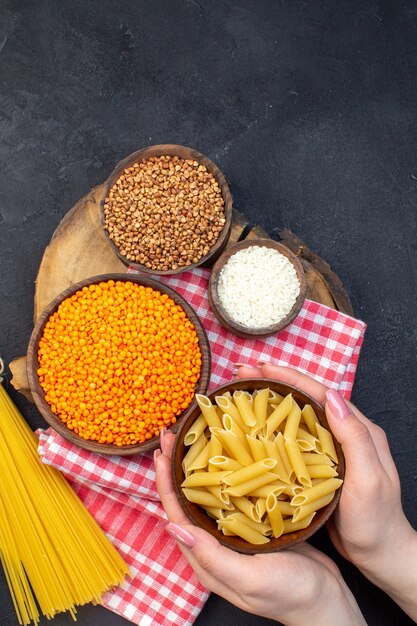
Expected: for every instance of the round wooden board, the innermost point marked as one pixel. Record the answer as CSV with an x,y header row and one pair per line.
x,y
79,249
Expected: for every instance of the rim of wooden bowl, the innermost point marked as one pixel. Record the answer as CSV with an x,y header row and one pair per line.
x,y
198,516
33,364
183,152
217,307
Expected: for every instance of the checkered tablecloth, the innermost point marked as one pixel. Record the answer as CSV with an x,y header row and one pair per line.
x,y
120,492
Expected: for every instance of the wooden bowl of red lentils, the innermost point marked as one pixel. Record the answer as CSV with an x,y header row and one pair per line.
x,y
114,359
166,209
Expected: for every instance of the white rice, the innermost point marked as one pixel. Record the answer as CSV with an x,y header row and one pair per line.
x,y
258,287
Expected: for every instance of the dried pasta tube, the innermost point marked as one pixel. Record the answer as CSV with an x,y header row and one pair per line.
x,y
303,511
226,405
319,490
271,451
242,530
245,409
195,431
293,421
274,515
310,418
220,463
233,445
296,459
247,507
249,472
278,416
280,444
208,410
290,526
327,444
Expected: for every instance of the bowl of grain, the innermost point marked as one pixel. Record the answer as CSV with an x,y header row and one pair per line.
x,y
114,359
166,209
255,464
256,288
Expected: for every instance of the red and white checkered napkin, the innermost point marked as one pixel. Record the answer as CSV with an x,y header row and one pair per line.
x,y
120,492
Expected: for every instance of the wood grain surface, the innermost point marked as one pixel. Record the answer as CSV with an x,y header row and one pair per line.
x,y
79,249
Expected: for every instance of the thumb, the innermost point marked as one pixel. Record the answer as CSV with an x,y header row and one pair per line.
x,y
214,564
352,434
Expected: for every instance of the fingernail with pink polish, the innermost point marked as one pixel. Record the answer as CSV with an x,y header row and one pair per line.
x,y
180,534
337,405
156,454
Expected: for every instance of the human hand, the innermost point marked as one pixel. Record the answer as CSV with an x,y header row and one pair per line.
x,y
369,526
293,586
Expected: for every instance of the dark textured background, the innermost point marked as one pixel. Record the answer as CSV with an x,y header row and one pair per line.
x,y
310,110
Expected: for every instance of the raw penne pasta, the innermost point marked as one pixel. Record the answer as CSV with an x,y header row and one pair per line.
x,y
261,527
220,463
242,530
203,479
245,408
293,421
218,492
297,463
202,497
260,408
243,489
233,446
230,425
274,397
265,490
305,446
256,448
274,516
285,508
195,431
312,458
278,416
260,507
327,444
303,511
259,464
319,490
321,471
247,507
215,449
208,410
215,512
201,460
226,405
193,452
310,418
303,435
280,444
251,471
291,527
271,451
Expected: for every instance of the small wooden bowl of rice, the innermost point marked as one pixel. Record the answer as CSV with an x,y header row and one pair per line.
x,y
259,488
256,288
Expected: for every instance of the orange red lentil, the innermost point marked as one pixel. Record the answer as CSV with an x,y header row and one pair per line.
x,y
118,362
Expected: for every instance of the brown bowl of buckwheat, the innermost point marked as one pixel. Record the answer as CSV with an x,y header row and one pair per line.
x,y
166,209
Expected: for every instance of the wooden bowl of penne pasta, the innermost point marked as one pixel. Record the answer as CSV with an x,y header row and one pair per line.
x,y
255,464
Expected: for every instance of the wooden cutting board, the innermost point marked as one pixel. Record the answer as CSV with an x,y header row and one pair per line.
x,y
79,249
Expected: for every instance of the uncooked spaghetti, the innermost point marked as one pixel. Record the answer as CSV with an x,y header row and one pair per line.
x,y
54,554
